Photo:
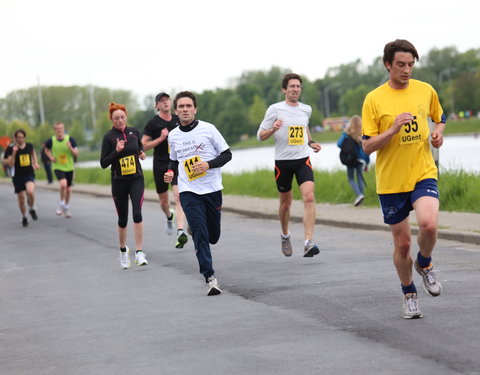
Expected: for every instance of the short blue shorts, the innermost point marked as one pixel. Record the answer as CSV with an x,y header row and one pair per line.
x,y
396,207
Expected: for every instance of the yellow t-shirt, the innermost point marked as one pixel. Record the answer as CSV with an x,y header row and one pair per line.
x,y
406,158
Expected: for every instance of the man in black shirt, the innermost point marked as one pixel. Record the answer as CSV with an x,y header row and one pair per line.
x,y
155,136
22,157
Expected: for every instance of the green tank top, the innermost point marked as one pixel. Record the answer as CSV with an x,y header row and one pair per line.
x,y
61,153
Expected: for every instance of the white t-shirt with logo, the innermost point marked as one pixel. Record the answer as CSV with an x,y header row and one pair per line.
x,y
291,140
203,143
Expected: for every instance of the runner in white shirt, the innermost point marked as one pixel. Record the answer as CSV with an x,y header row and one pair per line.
x,y
288,121
198,150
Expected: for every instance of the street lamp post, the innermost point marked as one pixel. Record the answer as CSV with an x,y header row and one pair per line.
x,y
326,97
40,102
447,72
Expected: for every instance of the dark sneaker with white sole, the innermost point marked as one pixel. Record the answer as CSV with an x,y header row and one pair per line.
x,y
182,239
33,214
311,249
213,287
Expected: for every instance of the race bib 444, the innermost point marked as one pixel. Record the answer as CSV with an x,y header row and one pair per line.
x,y
188,166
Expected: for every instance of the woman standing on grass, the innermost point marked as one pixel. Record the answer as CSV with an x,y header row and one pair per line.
x,y
121,149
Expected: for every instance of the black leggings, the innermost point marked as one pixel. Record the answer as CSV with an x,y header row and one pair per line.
x,y
121,189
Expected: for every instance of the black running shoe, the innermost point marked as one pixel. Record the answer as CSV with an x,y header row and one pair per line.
x,y
33,214
182,239
25,222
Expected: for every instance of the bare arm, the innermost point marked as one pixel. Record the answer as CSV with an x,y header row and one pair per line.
x,y
437,134
314,145
48,152
73,150
35,160
265,134
149,143
10,161
376,142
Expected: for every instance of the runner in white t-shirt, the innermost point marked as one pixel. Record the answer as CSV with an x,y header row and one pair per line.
x,y
198,150
288,121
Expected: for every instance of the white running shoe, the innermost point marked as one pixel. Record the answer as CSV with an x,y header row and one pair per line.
x,y
59,210
286,246
358,200
431,282
67,213
140,259
169,223
125,259
213,287
410,307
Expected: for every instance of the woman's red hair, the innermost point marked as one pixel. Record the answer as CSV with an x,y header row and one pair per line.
x,y
112,107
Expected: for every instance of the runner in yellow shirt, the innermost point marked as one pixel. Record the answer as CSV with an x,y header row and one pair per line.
x,y
395,124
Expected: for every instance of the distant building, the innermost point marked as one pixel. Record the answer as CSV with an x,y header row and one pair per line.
x,y
336,124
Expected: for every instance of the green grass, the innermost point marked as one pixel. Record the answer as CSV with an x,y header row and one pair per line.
x,y
453,127
459,190
88,155
326,136
330,187
463,126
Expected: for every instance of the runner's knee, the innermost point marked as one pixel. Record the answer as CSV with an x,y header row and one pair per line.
x,y
137,217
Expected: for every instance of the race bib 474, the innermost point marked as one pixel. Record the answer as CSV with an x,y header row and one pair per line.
x,y
128,165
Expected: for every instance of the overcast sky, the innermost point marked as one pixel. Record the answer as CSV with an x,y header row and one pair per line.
x,y
148,46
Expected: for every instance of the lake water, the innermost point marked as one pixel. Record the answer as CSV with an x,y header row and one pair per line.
x,y
457,152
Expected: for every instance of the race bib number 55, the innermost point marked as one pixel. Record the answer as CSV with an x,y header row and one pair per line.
x,y
188,166
128,165
412,133
295,135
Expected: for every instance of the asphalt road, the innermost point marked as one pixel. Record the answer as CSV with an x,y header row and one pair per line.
x,y
66,306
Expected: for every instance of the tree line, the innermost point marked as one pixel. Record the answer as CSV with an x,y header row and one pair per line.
x,y
238,110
